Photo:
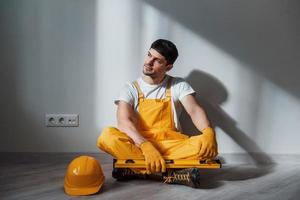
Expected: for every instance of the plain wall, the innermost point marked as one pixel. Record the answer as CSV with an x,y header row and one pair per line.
x,y
242,58
47,66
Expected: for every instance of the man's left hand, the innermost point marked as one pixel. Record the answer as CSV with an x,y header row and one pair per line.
x,y
209,146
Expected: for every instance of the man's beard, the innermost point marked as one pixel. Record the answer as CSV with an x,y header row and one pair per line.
x,y
151,74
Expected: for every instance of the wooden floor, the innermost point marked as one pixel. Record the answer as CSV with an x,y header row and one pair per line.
x,y
40,176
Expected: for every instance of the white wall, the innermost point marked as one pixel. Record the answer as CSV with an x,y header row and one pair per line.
x,y
74,56
47,66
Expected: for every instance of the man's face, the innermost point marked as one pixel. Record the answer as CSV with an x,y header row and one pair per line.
x,y
155,64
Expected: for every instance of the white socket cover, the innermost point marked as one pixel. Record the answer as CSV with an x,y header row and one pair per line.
x,y
62,120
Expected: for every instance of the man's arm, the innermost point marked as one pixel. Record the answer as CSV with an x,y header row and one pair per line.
x,y
209,146
126,119
195,111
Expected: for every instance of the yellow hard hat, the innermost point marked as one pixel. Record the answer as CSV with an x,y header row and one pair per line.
x,y
84,176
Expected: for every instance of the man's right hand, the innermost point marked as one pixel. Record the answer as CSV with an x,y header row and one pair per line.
x,y
153,159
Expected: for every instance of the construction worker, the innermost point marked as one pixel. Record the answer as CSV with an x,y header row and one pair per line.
x,y
148,119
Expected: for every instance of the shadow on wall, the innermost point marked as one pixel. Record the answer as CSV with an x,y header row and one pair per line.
x,y
9,103
43,48
264,35
26,135
213,94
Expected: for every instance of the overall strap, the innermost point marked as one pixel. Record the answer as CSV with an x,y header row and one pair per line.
x,y
168,90
140,93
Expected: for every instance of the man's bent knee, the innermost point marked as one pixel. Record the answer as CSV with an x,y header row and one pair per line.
x,y
110,138
106,137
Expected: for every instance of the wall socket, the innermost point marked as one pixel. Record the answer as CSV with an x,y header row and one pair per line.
x,y
62,120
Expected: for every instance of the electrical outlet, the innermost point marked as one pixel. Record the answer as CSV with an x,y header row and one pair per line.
x,y
62,120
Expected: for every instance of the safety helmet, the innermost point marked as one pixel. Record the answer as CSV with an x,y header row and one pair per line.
x,y
84,176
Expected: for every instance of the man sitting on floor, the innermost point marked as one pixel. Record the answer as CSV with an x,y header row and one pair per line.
x,y
148,119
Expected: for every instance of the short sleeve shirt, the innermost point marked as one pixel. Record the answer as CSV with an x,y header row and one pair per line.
x,y
179,89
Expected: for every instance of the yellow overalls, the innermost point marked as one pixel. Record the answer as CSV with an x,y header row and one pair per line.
x,y
155,123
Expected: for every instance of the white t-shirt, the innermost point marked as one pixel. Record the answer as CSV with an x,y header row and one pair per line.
x,y
179,89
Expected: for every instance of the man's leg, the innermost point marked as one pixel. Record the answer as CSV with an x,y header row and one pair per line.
x,y
118,144
180,148
121,146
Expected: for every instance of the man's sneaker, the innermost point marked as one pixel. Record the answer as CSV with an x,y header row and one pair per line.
x,y
127,174
188,176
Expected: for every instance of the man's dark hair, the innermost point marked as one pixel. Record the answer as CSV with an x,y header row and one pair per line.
x,y
167,49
